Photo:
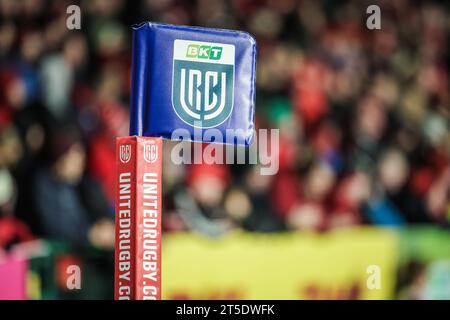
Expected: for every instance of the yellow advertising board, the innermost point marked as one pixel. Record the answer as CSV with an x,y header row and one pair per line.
x,y
345,264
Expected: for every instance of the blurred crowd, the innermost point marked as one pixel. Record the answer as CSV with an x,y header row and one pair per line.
x,y
363,117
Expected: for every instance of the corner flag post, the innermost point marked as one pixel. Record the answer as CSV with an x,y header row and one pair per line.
x,y
138,218
186,78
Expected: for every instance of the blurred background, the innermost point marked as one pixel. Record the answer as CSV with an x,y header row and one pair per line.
x,y
364,153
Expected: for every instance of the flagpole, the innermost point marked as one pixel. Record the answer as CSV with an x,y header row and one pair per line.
x,y
138,218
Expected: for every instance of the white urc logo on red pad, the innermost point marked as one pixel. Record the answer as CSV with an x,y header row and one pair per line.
x,y
125,153
150,152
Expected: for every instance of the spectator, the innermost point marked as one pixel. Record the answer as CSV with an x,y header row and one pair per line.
x,y
69,204
12,230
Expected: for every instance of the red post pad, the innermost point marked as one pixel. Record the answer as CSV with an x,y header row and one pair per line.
x,y
138,218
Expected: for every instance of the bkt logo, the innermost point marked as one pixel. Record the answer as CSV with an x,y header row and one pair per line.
x,y
204,52
203,82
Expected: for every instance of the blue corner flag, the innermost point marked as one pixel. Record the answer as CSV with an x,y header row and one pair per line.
x,y
193,79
